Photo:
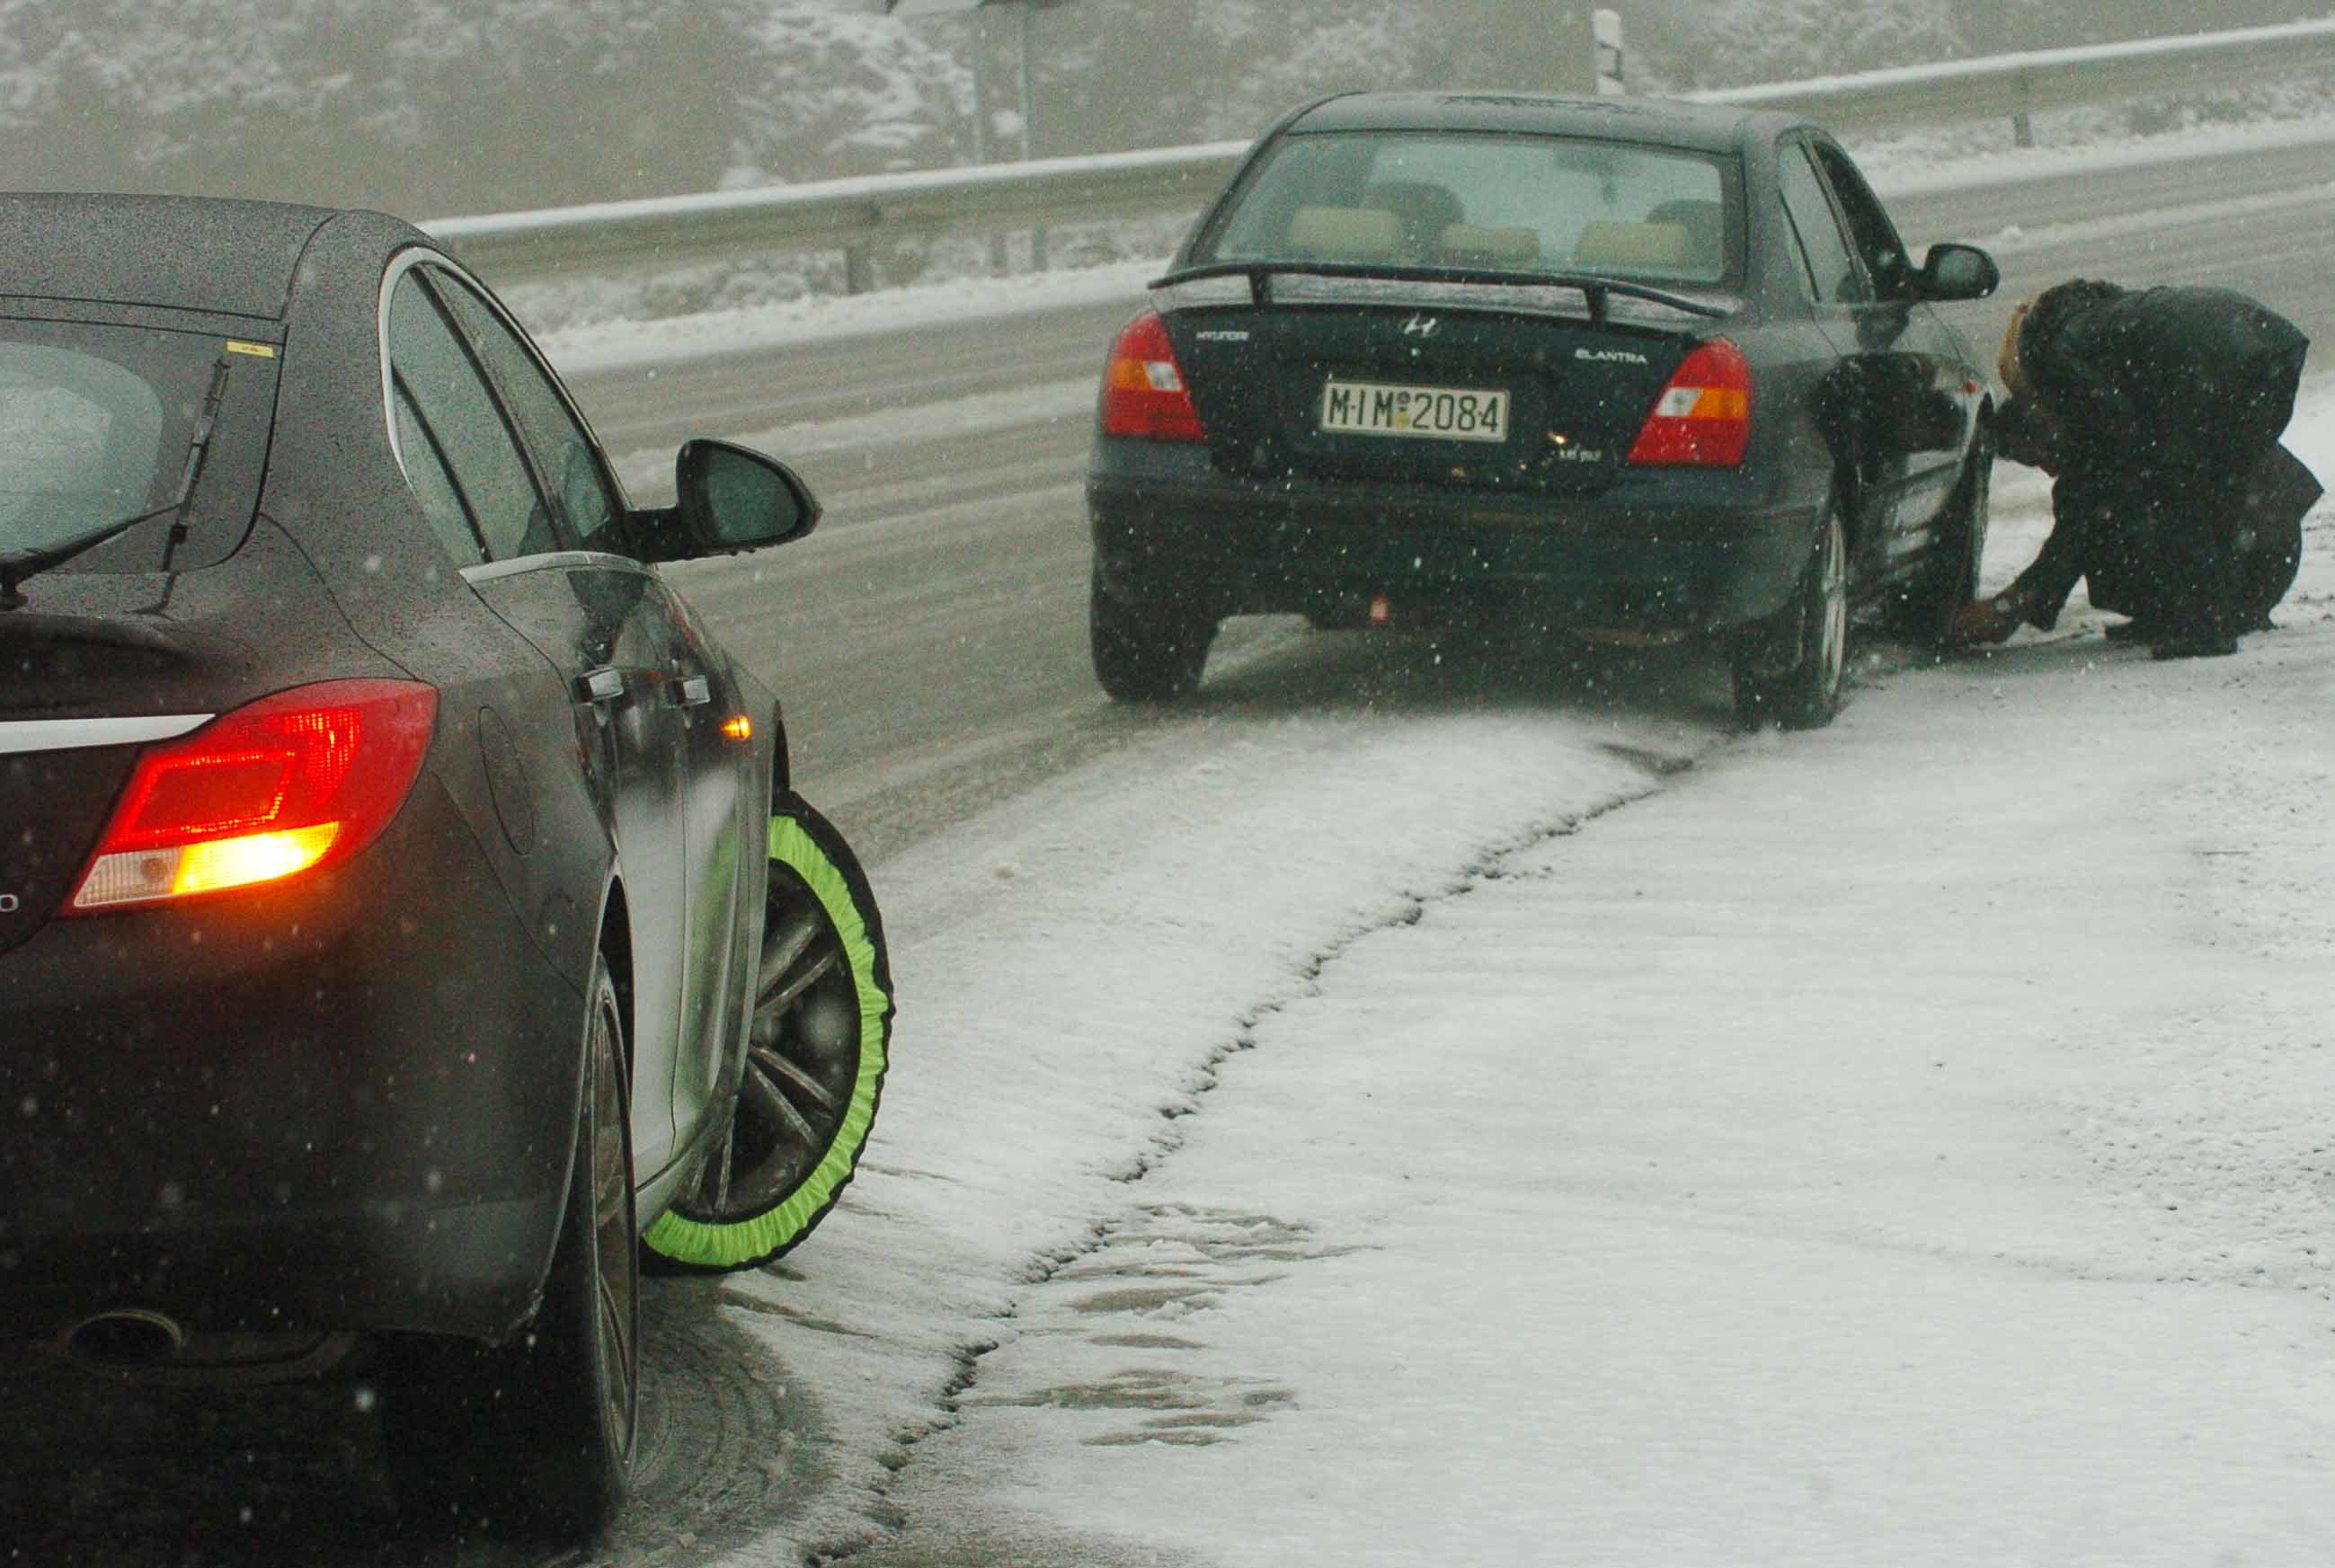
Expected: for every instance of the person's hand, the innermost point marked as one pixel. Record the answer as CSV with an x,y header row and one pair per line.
x,y
1987,619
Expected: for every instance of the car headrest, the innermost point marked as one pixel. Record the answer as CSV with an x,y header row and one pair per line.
x,y
1349,233
1655,245
1705,223
1426,208
1500,247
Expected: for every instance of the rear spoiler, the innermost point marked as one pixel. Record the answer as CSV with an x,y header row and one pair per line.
x,y
1598,292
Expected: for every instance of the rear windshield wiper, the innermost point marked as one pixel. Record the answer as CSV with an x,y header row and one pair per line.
x,y
1598,288
16,566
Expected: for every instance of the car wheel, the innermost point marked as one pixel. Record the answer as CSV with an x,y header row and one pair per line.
x,y
536,1437
817,1048
1789,671
1147,650
1923,611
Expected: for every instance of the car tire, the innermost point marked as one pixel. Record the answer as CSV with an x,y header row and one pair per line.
x,y
812,1073
1787,671
535,1437
1147,649
1922,613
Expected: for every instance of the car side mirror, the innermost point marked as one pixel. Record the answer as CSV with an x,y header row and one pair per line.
x,y
731,498
1953,272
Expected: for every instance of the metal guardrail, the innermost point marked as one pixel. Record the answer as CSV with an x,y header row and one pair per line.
x,y
2012,85
851,214
836,213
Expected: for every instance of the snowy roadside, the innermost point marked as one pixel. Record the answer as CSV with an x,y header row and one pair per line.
x,y
1896,1144
1072,970
1898,170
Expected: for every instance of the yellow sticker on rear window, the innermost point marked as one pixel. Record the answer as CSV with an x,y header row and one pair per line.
x,y
259,350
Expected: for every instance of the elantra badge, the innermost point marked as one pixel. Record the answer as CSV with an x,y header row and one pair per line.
x,y
1610,356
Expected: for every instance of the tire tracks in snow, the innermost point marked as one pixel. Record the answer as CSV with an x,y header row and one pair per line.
x,y
1657,771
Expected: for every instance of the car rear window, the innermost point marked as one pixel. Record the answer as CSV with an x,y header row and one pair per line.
x,y
96,424
1501,203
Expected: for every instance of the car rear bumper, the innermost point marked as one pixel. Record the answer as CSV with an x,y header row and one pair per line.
x,y
345,1104
1681,552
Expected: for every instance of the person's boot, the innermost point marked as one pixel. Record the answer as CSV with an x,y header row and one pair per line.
x,y
2194,645
2203,630
2139,629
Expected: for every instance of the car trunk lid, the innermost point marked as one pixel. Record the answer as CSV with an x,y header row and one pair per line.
x,y
1537,387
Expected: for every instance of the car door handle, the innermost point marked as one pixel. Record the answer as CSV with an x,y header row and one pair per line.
x,y
692,692
603,685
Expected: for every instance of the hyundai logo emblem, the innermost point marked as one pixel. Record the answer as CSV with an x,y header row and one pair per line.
x,y
1421,326
10,904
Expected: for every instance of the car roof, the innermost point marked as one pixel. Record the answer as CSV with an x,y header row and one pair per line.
x,y
182,252
1703,127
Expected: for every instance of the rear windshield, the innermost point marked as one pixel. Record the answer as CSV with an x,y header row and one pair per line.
x,y
1496,202
96,422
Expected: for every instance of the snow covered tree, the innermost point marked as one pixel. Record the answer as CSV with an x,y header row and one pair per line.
x,y
839,94
1739,42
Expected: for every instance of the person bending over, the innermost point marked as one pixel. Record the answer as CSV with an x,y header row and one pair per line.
x,y
2159,412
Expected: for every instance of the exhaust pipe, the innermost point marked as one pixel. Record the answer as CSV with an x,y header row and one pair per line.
x,y
125,1339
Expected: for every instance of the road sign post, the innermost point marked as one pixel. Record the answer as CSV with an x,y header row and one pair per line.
x,y
1605,44
984,133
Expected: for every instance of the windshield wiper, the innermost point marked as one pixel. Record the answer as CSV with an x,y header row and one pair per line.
x,y
16,566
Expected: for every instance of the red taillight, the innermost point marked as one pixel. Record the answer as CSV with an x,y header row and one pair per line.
x,y
289,783
1703,418
1143,391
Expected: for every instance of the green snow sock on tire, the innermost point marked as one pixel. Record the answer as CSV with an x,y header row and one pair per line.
x,y
807,844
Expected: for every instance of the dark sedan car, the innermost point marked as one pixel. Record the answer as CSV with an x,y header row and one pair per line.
x,y
402,900
1644,371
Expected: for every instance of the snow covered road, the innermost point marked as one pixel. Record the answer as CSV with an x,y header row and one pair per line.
x,y
1359,1141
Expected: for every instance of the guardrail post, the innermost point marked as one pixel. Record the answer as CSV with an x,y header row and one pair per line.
x,y
2022,120
1030,120
859,270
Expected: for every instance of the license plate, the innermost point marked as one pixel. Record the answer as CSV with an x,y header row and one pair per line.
x,y
1356,408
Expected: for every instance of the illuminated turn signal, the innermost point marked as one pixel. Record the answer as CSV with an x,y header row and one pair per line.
x,y
301,779
137,875
738,727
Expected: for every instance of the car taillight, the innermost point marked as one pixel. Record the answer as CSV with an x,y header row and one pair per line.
x,y
287,784
1703,418
1143,391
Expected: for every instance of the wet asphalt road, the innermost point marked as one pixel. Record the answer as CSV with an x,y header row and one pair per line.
x,y
930,642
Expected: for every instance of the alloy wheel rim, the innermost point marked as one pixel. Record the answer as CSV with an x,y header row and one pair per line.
x,y
1833,646
616,1259
1982,511
802,1062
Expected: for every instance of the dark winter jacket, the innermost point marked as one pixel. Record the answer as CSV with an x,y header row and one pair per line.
x,y
2165,379
2165,407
